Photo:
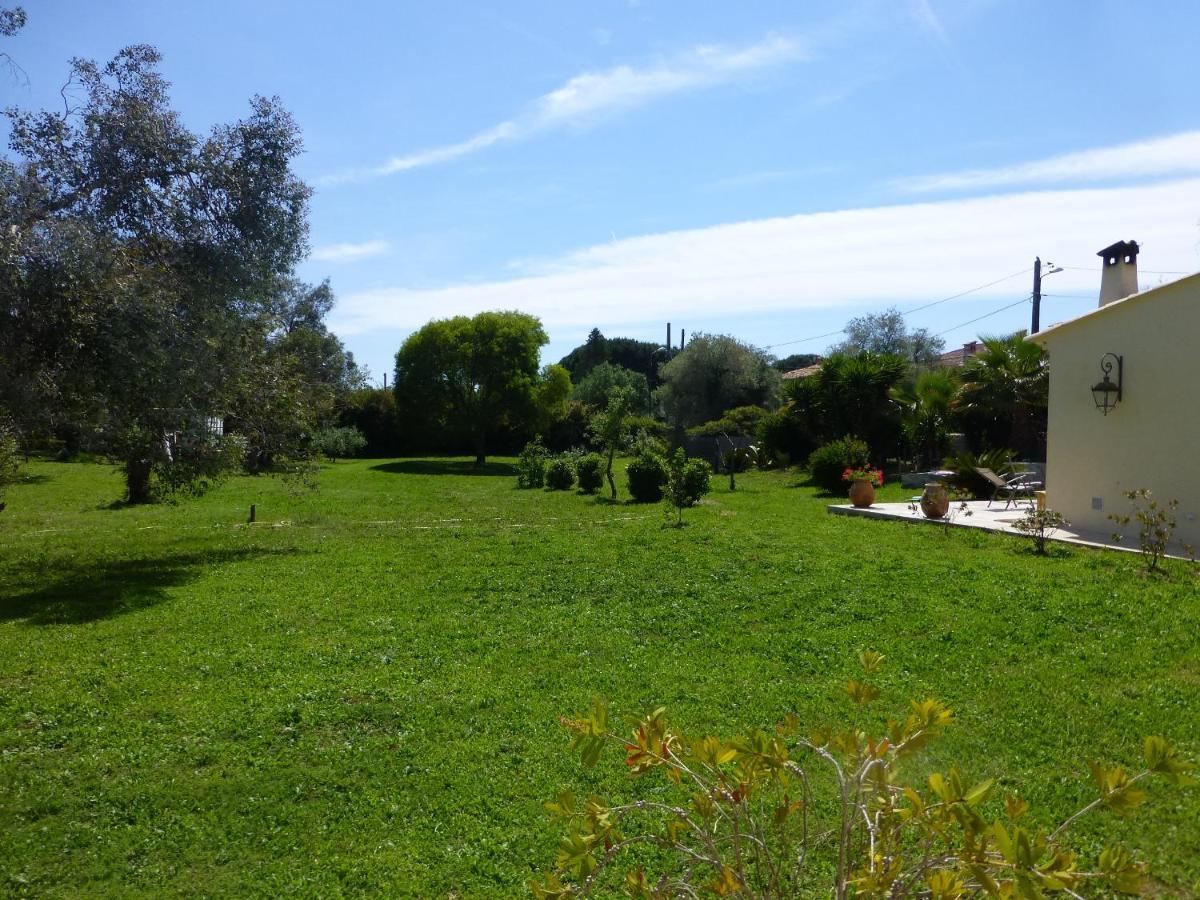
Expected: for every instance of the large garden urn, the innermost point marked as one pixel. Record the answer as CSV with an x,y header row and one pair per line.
x,y
935,500
862,493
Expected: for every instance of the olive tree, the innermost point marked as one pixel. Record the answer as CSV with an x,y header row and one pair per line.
x,y
138,262
715,373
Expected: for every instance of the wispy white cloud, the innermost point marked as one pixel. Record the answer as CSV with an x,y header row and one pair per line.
x,y
1174,155
923,13
340,253
590,95
889,254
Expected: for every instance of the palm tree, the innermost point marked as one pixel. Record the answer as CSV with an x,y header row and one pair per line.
x,y
926,403
1003,394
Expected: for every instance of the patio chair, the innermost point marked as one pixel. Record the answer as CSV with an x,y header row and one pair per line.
x,y
1012,489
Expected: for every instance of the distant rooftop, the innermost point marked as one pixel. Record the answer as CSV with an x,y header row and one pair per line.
x,y
801,373
953,359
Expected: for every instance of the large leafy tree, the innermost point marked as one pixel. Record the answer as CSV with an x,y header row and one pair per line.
x,y
643,357
470,376
1004,394
712,374
595,387
887,333
139,262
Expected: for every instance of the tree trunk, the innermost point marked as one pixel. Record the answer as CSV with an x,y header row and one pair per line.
x,y
480,454
137,480
612,485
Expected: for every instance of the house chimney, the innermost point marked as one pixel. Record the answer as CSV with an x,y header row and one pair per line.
x,y
1119,277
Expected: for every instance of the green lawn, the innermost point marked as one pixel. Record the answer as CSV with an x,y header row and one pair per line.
x,y
358,694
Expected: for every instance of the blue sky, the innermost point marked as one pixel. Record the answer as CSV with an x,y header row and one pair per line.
x,y
766,170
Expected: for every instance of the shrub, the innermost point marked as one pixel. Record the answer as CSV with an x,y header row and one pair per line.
x,y
1156,525
828,462
338,443
1039,525
782,438
646,475
965,477
687,481
560,473
590,470
531,465
789,812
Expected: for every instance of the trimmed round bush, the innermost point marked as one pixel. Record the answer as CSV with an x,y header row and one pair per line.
x,y
828,462
590,470
560,474
646,476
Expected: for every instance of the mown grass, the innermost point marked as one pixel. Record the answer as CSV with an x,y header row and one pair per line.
x,y
359,693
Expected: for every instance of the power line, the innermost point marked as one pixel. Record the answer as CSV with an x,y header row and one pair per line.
x,y
1143,271
964,293
984,316
817,337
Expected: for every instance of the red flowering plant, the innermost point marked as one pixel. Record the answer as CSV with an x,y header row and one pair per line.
x,y
863,473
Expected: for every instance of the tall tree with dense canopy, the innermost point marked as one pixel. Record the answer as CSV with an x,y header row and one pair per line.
x,y
887,333
138,261
643,357
712,374
595,387
470,376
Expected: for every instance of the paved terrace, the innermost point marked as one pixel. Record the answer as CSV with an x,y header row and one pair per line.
x,y
994,518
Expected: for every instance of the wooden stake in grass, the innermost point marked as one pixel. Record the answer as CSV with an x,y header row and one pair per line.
x,y
252,512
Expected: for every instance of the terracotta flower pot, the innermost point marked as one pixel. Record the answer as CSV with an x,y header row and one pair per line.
x,y
862,493
935,500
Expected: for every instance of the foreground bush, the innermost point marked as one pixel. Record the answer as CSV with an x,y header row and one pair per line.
x,y
752,817
646,476
560,474
687,481
590,471
531,465
829,461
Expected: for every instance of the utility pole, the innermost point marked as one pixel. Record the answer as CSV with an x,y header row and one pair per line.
x,y
1036,325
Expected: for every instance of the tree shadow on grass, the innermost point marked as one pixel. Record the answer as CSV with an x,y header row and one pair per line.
x,y
109,589
445,467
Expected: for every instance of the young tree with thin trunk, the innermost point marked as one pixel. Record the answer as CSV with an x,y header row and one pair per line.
x,y
608,428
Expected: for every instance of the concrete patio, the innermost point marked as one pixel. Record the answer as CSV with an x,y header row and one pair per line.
x,y
978,514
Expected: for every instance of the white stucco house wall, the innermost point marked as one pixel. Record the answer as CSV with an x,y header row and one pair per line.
x,y
1150,437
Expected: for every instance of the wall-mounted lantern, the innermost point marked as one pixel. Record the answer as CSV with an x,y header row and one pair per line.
x,y
1107,393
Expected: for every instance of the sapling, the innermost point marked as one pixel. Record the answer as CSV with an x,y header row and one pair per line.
x,y
1156,524
1040,526
608,429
